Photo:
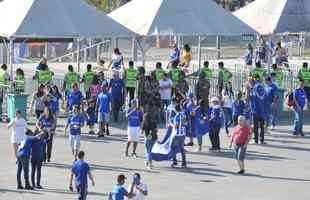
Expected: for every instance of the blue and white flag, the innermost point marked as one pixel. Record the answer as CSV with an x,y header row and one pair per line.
x,y
164,149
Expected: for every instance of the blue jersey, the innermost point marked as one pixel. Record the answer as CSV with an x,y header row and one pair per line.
x,y
92,118
46,122
54,102
238,107
117,87
75,98
300,96
37,151
215,116
75,121
24,149
135,117
180,122
80,169
103,102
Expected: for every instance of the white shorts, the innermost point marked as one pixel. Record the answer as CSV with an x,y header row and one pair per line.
x,y
103,118
75,142
17,138
133,134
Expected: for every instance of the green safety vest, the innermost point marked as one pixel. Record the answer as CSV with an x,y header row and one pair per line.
x,y
305,75
71,77
226,75
175,75
3,81
88,79
159,73
279,77
19,82
207,72
258,71
44,76
131,78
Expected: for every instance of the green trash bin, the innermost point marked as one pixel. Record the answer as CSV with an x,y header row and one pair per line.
x,y
280,94
14,102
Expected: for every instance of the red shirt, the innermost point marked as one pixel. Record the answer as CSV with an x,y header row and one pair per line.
x,y
240,135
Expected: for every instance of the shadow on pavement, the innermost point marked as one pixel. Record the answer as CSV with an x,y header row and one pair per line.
x,y
4,190
61,191
277,177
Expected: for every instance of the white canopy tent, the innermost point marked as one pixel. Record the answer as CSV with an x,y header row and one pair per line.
x,y
276,16
179,17
55,20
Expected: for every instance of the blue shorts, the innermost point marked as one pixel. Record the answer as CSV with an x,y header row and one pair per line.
x,y
240,152
103,118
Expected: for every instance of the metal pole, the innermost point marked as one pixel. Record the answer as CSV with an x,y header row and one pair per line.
x,y
11,62
46,50
78,55
218,46
134,50
199,52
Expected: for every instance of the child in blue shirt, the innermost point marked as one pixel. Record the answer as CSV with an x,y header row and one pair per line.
x,y
103,107
75,122
75,97
238,108
135,117
215,122
91,116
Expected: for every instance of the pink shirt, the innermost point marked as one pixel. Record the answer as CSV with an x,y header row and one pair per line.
x,y
240,135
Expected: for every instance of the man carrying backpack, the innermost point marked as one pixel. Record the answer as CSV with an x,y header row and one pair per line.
x,y
300,99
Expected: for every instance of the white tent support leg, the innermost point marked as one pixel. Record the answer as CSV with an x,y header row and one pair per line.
x,y
199,52
11,53
142,51
46,50
78,60
134,50
218,46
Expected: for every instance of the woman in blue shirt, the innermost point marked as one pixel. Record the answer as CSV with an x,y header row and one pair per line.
x,y
46,123
300,99
215,122
53,104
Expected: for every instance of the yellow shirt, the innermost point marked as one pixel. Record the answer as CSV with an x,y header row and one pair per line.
x,y
186,56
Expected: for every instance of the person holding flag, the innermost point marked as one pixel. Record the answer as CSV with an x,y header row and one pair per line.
x,y
201,125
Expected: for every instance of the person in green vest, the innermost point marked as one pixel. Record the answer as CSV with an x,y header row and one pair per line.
x,y
70,78
208,73
304,74
278,75
175,74
258,71
224,77
4,84
87,80
19,81
130,78
159,72
44,75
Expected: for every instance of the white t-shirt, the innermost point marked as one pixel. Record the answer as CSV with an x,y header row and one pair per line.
x,y
137,193
18,132
165,94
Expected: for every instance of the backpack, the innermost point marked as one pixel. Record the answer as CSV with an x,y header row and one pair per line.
x,y
290,99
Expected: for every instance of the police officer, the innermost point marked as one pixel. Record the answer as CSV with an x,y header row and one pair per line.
x,y
159,72
130,77
202,90
70,78
224,76
87,80
278,75
258,71
304,74
175,73
207,72
44,75
4,84
19,81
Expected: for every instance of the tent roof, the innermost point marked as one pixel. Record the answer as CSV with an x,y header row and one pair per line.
x,y
181,17
56,19
276,16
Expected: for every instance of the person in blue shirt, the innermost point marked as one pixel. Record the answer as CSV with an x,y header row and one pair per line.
x,y
119,192
37,156
75,122
300,98
135,117
179,123
23,156
103,107
91,116
117,86
54,95
272,92
238,107
75,97
46,123
81,171
174,55
189,106
260,107
215,122
200,114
